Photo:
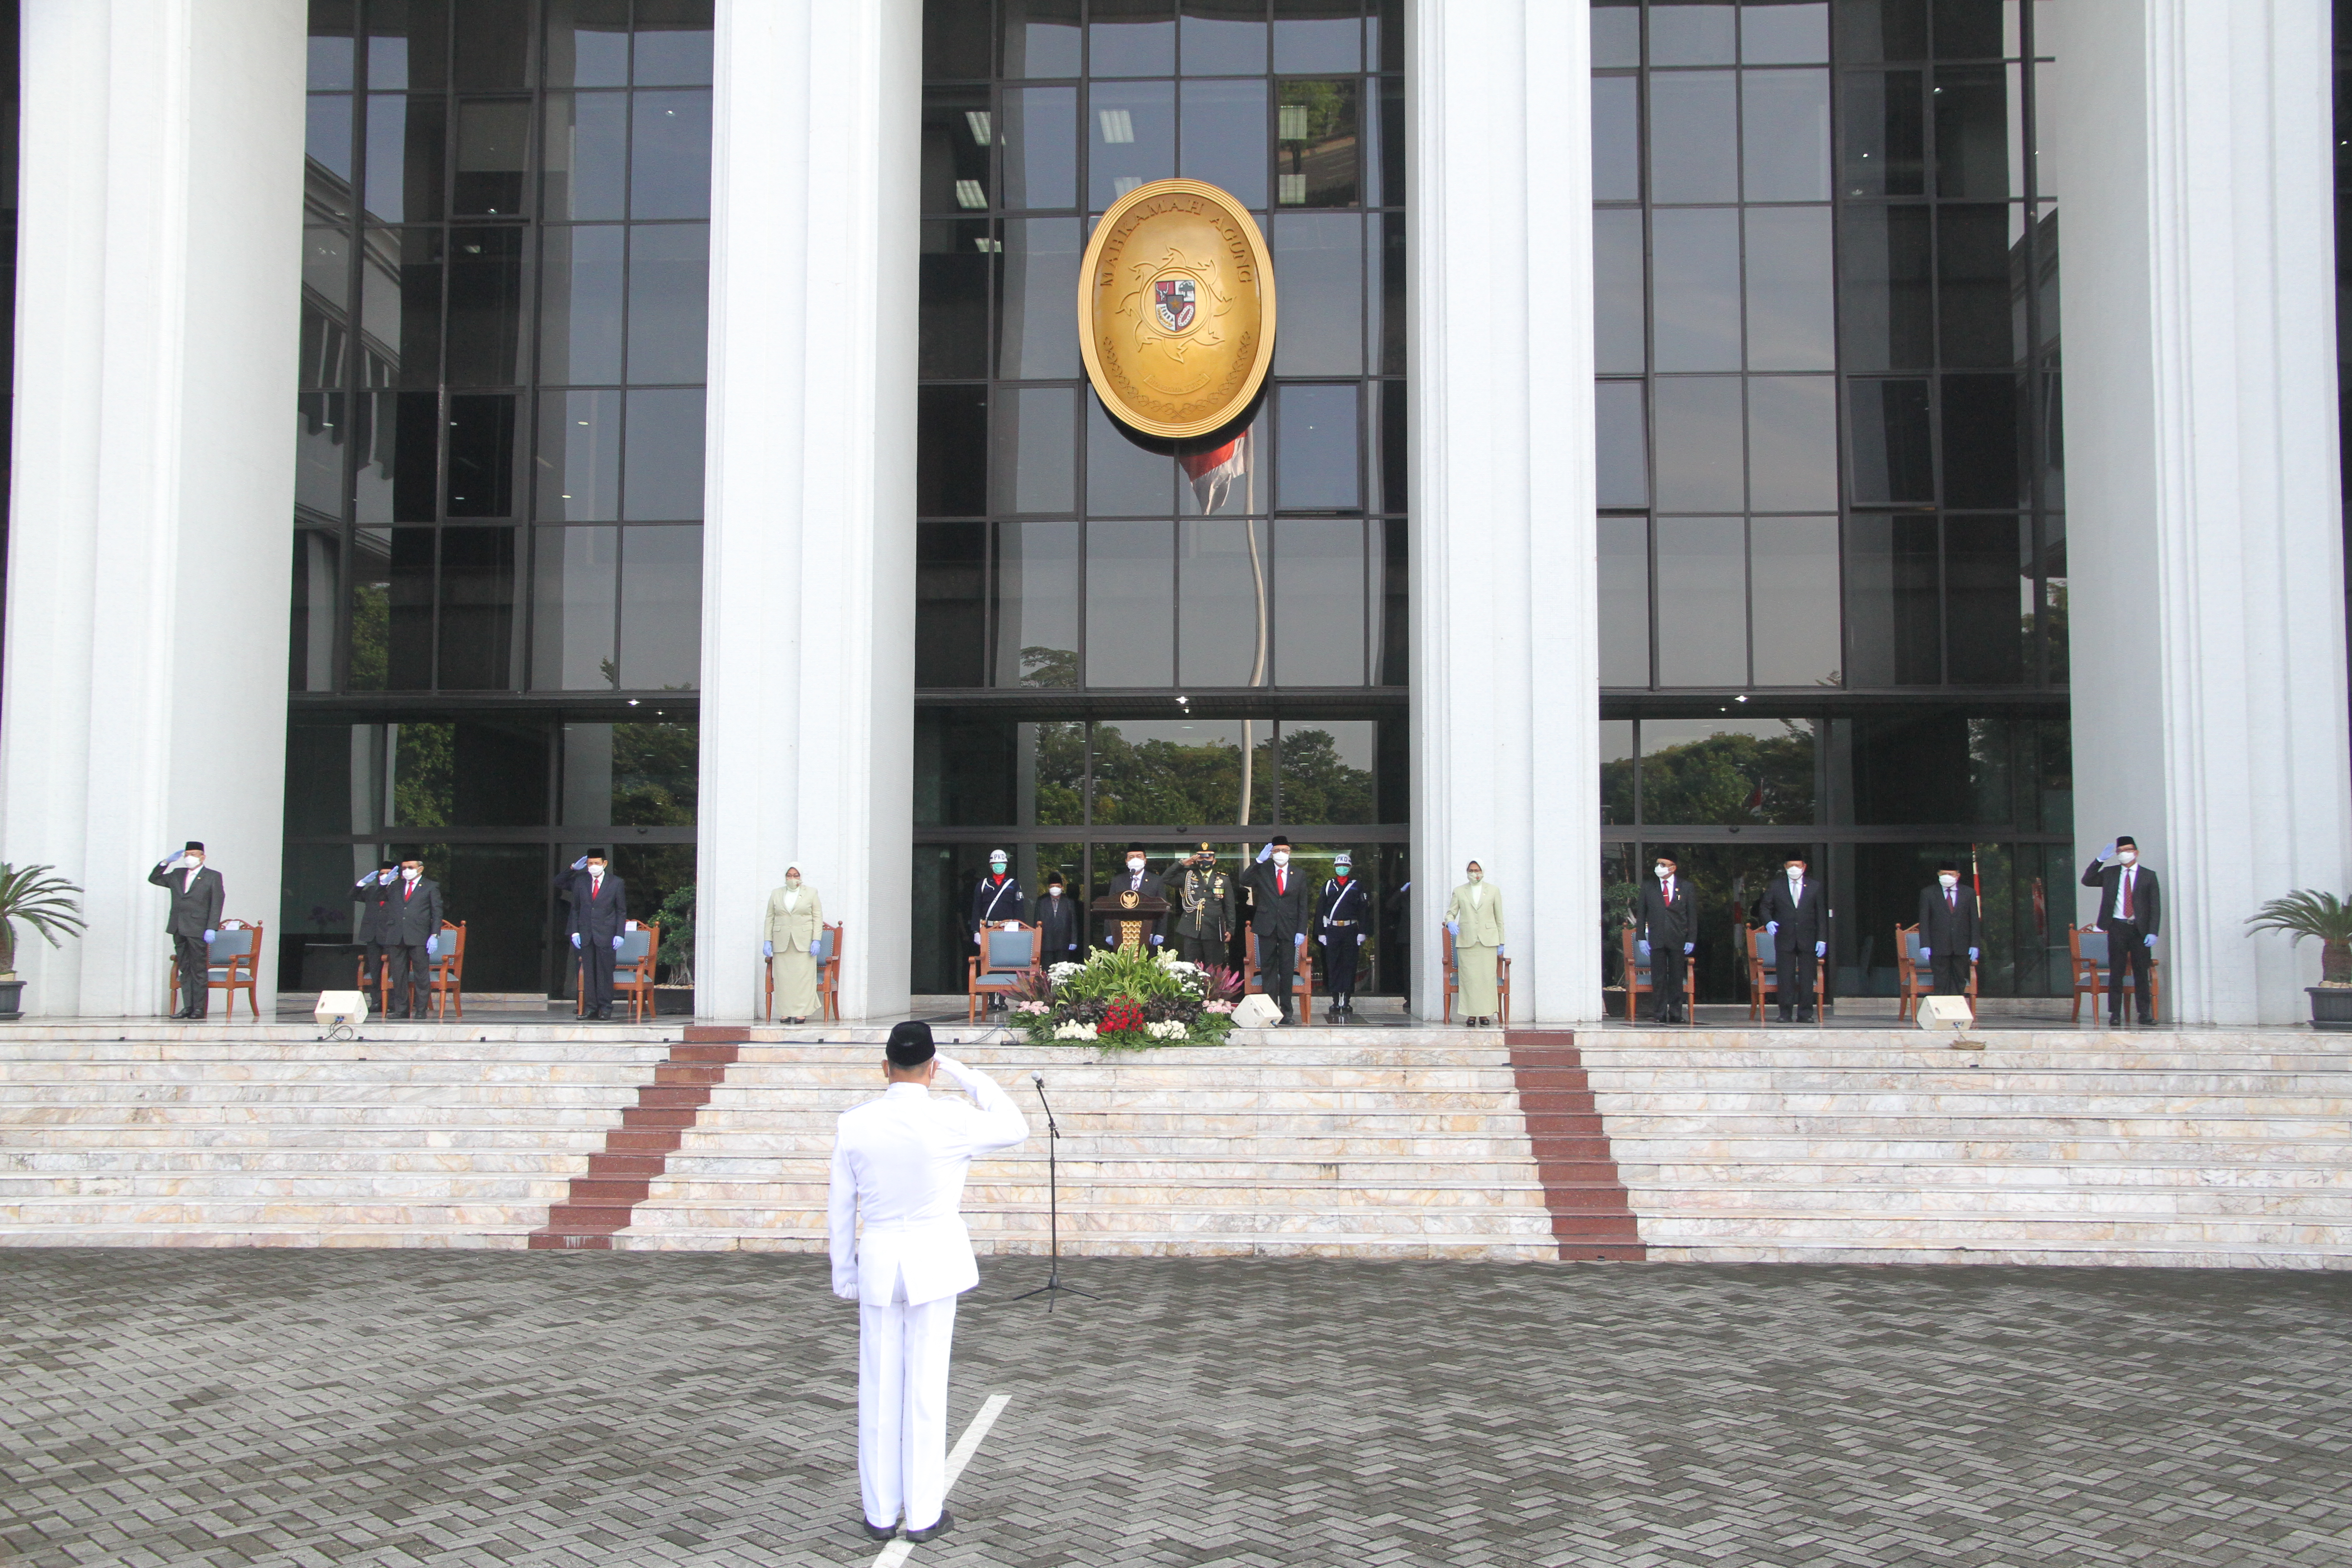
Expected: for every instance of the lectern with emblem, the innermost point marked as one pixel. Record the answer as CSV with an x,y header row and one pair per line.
x,y
1135,916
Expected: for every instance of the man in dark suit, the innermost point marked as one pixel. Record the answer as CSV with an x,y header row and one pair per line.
x,y
1794,920
375,930
1134,877
198,896
1281,912
599,912
2130,906
413,915
1667,935
1951,932
1060,926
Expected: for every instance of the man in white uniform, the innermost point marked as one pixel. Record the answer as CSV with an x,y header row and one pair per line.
x,y
899,1165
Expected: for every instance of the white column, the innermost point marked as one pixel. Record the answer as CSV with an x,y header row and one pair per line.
x,y
1506,654
2205,566
149,545
809,541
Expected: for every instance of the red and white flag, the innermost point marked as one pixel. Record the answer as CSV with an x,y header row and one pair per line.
x,y
1215,473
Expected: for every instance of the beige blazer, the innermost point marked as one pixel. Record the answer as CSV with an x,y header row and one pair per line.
x,y
796,931
1480,923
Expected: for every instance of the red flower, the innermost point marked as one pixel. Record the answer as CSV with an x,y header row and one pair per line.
x,y
1124,1017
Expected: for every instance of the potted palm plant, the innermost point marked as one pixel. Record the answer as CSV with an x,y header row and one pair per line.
x,y
2303,913
42,899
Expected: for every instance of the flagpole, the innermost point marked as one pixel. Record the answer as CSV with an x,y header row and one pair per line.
x,y
1257,576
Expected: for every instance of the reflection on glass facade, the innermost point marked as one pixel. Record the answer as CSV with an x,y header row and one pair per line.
x,y
1832,542
1108,644
500,435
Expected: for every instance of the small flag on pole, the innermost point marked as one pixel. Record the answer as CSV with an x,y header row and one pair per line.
x,y
1215,473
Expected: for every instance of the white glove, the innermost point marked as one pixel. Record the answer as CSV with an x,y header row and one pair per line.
x,y
616,944
1972,955
2108,853
1821,949
2148,940
385,877
1323,941
767,950
1689,948
576,939
846,1285
1155,941
210,935
432,945
1500,950
1300,938
1927,953
1454,926
1771,928
581,863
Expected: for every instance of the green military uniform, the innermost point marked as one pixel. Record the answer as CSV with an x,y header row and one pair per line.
x,y
1204,900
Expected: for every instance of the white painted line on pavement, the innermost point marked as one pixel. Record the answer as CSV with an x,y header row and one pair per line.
x,y
966,1446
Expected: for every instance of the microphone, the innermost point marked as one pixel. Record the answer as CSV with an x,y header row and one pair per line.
x,y
1038,1078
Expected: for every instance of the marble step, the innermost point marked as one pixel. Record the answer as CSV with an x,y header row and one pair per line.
x,y
1080,1218
1996,1203
1171,1189
1866,1169
1143,1243
1902,1225
336,1232
98,1213
403,1157
326,1189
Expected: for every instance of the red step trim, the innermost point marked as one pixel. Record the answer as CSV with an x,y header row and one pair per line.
x,y
1591,1214
638,1151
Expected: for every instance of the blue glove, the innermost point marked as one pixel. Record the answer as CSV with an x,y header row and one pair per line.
x,y
1323,942
2108,853
1500,950
432,945
1301,939
2150,942
1267,853
1821,950
210,935
1689,948
1771,928
1643,948
767,950
1927,953
1454,926
616,944
386,876
576,939
581,863
1972,955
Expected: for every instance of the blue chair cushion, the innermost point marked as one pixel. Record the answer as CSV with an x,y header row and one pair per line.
x,y
2095,947
1009,949
999,977
633,945
1911,945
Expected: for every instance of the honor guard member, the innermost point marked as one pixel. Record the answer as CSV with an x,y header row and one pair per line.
x,y
198,896
1281,910
2130,908
375,933
1060,927
1203,896
900,1251
415,904
1475,916
1667,936
600,913
1800,936
1138,880
796,925
1951,933
1342,916
997,901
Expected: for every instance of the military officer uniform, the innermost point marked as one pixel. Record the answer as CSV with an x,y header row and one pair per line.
x,y
1203,900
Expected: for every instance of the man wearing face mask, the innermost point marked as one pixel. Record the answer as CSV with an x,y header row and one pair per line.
x,y
415,903
996,900
1792,920
1282,910
377,929
599,912
1667,935
1475,916
1203,906
1951,933
796,925
1343,915
1058,924
2129,908
198,896
1135,878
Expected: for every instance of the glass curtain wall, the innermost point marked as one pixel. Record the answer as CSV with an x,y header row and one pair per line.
x,y
1832,540
497,590
1107,649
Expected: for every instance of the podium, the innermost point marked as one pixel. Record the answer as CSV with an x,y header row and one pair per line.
x,y
1134,915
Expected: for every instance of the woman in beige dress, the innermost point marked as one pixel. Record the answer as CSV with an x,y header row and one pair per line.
x,y
1475,918
795,923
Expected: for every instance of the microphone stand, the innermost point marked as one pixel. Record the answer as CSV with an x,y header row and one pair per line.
x,y
1052,1286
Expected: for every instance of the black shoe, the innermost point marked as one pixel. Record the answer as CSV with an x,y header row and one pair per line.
x,y
876,1531
1787,1017
946,1523
1806,1016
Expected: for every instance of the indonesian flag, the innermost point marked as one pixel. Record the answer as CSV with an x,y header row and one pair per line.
x,y
1214,473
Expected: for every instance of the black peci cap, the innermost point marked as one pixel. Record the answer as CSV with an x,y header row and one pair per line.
x,y
388,866
2125,841
595,854
198,845
1136,847
911,1044
1944,866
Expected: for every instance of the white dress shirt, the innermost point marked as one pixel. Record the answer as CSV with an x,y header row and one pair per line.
x,y
898,1166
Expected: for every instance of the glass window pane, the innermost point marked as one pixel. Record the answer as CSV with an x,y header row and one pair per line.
x,y
581,274
1316,145
311,646
1131,129
1979,323
1388,259
1396,451
1224,576
1131,613
1616,33
1699,442
1791,301
661,476
1319,265
477,609
1040,38
403,157
492,51
587,42
1392,192
1894,637
1785,135
1694,134
485,333
575,572
1177,771
1132,37
1319,605
1886,289
400,450
319,429
586,154
409,664
669,155
1983,444
1222,38
1392,642
1037,434
1037,604
1784,32
1040,147
1317,36
951,335
1883,29
661,608
578,460
1792,443
674,38
1622,437
331,52
951,451
1691,33
1708,770
1988,598
482,455
957,130
1331,772
327,141
493,147
1972,132
1697,289
1123,480
1624,590
1616,139
1036,278
1893,457
1225,137
1794,598
950,604
408,44
1315,459
669,300
1616,770
1886,145
368,656
1701,601
1620,306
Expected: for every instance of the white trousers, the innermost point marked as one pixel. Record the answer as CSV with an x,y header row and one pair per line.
x,y
902,1408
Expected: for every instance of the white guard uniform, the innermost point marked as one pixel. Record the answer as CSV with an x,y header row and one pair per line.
x,y
899,1165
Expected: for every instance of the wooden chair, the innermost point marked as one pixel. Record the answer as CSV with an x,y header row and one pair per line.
x,y
1453,979
381,984
1638,984
1302,982
633,970
2087,950
445,971
1012,955
1916,977
828,954
234,966
1763,973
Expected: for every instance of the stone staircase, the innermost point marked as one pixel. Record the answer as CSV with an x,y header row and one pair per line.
x,y
2206,1149
149,1135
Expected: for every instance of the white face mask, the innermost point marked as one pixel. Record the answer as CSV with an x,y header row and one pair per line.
x,y
412,873
1134,864
1664,872
1053,892
1282,857
1948,880
1796,873
791,881
2128,856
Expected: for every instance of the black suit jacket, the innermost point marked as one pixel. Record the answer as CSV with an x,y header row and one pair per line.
x,y
1671,924
411,914
377,923
593,919
196,906
1150,887
1942,929
1802,920
1061,926
1280,914
2147,900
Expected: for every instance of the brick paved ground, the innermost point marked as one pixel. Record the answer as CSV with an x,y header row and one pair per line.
x,y
396,1408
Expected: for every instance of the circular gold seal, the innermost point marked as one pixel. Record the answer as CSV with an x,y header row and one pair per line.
x,y
1129,899
1176,309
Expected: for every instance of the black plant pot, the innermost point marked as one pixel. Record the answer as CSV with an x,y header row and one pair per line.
x,y
2331,1007
12,996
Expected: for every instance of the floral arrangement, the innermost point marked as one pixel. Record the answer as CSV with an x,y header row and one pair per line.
x,y
1122,1000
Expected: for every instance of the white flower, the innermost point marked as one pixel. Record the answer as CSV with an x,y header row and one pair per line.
x,y
1170,1030
1075,1032
1059,974
1179,966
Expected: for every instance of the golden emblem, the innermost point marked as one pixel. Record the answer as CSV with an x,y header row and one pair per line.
x,y
1176,309
1129,899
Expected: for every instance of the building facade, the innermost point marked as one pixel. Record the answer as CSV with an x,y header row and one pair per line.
x,y
1667,446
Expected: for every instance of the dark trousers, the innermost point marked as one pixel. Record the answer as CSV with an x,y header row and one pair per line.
x,y
1666,975
195,973
1277,967
1339,963
596,973
1951,972
1208,950
411,967
2127,949
1793,966
376,970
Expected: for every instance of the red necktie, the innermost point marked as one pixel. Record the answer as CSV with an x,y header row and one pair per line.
x,y
2128,882
407,892
1952,899
1281,882
595,885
